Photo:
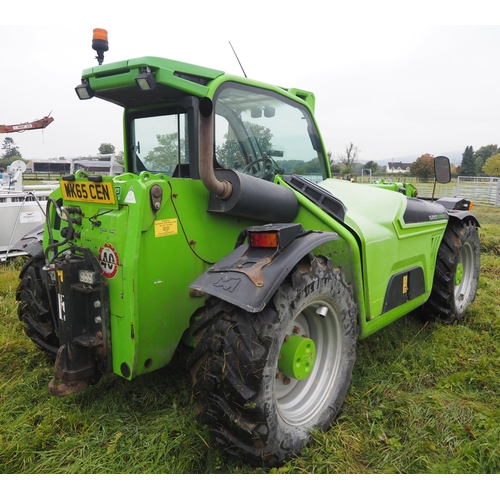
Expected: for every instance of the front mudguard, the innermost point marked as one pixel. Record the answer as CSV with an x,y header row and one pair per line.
x,y
231,281
464,216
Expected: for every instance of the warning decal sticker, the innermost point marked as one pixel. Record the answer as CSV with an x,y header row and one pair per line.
x,y
109,260
165,227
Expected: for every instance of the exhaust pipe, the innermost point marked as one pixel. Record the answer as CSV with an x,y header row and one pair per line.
x,y
221,189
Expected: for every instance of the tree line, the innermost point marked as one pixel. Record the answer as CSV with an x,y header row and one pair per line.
x,y
485,161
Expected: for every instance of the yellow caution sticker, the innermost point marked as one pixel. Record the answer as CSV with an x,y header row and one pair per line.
x,y
405,284
165,227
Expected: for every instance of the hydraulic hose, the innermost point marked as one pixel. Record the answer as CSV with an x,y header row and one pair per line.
x,y
63,215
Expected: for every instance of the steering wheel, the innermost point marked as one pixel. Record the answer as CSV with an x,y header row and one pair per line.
x,y
261,173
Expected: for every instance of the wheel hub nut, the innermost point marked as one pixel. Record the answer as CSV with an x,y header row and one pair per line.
x,y
297,357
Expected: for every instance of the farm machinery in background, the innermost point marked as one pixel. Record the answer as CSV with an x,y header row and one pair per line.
x,y
41,123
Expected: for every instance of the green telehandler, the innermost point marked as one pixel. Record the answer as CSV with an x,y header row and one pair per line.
x,y
227,233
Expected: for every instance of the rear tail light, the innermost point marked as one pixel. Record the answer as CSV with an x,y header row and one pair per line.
x,y
264,240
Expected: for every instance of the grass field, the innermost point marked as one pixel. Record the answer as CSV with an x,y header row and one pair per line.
x,y
425,398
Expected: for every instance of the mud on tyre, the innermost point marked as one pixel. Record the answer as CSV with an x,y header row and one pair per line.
x,y
259,409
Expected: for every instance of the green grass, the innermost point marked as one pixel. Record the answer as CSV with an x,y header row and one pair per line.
x,y
424,399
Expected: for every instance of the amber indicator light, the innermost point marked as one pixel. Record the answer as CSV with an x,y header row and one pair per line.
x,y
264,240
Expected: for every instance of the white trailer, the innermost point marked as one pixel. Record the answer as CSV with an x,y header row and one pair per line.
x,y
22,208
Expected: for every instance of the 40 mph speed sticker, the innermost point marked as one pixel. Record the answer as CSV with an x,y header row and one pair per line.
x,y
109,260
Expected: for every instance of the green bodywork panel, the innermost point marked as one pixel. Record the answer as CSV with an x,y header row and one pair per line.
x,y
154,257
121,75
389,244
377,245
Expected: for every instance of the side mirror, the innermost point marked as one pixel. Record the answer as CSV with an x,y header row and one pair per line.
x,y
442,169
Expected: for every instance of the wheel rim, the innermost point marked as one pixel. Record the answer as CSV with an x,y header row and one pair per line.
x,y
299,401
464,275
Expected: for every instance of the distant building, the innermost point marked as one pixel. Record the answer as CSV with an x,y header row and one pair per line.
x,y
65,166
49,166
398,167
98,166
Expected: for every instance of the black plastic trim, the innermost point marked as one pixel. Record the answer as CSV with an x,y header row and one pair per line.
x,y
418,211
318,195
399,292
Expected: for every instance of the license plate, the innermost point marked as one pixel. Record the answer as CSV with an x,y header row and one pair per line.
x,y
89,192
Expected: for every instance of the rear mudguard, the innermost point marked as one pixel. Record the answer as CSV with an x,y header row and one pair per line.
x,y
252,287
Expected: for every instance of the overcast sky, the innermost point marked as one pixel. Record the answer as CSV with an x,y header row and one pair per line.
x,y
383,78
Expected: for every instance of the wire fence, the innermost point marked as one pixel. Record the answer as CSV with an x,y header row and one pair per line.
x,y
480,190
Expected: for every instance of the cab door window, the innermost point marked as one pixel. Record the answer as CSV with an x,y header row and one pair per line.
x,y
263,134
160,143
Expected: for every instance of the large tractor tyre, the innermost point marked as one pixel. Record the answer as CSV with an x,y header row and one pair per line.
x,y
34,308
264,381
456,275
